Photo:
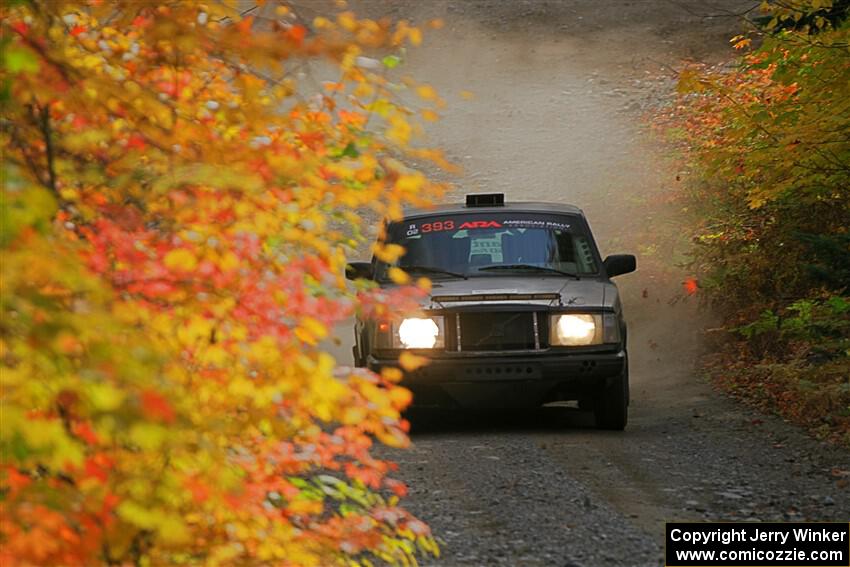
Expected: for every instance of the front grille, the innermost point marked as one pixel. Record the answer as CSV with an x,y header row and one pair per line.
x,y
498,331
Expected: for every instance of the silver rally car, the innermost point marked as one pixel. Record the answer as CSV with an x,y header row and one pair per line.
x,y
522,311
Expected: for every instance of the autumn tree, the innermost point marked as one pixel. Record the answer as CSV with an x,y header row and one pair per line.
x,y
182,183
768,149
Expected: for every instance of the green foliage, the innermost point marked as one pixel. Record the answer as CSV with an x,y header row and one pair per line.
x,y
806,16
830,261
824,325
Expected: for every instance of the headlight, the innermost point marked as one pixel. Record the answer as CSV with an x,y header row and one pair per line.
x,y
583,329
420,332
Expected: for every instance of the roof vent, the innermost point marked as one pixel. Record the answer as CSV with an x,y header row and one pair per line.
x,y
485,200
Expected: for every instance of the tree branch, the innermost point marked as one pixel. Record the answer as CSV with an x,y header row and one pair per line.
x,y
43,115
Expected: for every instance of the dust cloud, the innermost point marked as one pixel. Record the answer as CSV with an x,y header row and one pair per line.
x,y
562,94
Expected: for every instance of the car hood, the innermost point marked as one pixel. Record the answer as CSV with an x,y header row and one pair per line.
x,y
542,290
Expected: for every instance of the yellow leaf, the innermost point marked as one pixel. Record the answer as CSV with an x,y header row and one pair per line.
x,y
741,44
411,362
399,130
347,21
393,438
314,327
172,529
305,336
195,329
400,397
391,374
353,415
426,92
148,436
241,387
388,253
410,183
180,259
229,261
307,507
398,276
214,356
137,515
104,397
690,81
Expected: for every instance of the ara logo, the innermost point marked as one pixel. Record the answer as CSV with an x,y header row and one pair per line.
x,y
481,224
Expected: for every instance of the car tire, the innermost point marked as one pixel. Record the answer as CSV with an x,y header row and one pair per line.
x,y
611,406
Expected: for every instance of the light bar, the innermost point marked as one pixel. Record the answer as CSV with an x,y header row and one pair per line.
x,y
485,200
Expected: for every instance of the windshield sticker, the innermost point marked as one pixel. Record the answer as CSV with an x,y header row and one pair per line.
x,y
415,229
488,246
531,223
437,226
440,226
481,224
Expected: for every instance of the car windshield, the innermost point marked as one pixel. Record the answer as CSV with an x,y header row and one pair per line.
x,y
482,245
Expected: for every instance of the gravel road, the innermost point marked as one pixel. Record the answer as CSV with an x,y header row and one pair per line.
x,y
561,93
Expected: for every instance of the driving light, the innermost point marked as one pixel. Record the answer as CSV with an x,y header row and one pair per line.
x,y
415,332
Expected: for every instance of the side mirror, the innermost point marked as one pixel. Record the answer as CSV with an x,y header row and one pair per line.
x,y
619,264
358,270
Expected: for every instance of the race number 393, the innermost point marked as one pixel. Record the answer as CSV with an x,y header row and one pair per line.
x,y
744,544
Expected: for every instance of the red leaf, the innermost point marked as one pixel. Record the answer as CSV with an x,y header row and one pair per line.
x,y
156,406
136,141
156,288
16,480
20,27
398,487
98,467
83,430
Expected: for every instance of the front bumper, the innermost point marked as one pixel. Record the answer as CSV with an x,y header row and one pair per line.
x,y
503,380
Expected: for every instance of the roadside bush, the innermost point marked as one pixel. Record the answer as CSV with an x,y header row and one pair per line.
x,y
768,151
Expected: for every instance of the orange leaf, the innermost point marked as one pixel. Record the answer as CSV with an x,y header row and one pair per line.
x,y
244,27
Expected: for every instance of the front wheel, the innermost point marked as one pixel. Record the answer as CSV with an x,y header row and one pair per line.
x,y
611,405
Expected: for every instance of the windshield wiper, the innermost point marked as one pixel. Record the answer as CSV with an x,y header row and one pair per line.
x,y
518,267
433,270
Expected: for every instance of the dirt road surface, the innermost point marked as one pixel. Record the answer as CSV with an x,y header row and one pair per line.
x,y
561,93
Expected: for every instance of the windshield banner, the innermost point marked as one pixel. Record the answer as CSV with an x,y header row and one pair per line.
x,y
478,222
